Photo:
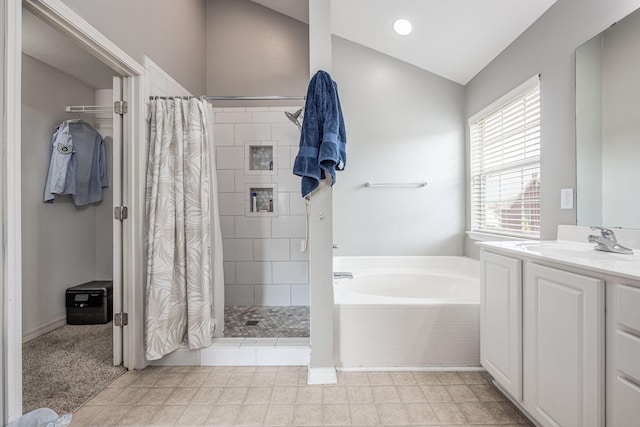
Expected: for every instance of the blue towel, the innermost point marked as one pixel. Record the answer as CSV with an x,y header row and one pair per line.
x,y
323,138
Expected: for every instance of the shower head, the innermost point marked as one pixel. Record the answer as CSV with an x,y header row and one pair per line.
x,y
294,117
296,114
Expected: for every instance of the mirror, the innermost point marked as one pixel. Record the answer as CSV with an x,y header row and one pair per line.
x,y
608,127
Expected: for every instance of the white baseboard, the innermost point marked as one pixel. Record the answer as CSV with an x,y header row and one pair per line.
x,y
411,369
322,376
47,327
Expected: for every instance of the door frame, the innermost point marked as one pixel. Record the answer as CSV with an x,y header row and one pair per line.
x,y
69,23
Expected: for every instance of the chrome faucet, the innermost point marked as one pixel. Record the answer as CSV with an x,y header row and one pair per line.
x,y
607,242
342,275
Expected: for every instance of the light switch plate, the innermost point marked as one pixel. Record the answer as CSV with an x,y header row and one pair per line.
x,y
566,198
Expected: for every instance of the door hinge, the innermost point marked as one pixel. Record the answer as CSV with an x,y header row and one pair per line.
x,y
120,107
120,319
120,213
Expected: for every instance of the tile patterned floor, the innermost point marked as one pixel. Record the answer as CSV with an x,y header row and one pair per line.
x,y
279,396
272,322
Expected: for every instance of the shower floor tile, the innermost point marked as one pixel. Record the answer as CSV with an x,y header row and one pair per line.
x,y
266,322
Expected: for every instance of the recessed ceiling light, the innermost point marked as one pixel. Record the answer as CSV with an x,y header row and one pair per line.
x,y
402,26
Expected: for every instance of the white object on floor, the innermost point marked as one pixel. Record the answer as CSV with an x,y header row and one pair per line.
x,y
43,417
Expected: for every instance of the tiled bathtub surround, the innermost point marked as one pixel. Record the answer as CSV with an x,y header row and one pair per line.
x,y
263,263
407,336
280,396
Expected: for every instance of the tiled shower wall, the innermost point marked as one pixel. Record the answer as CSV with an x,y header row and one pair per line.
x,y
263,264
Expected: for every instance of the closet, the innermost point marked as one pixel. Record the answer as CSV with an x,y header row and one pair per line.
x,y
63,245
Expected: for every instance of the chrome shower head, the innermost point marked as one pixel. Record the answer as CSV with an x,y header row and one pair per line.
x,y
297,113
294,117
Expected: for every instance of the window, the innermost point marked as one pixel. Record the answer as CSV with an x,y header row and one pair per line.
x,y
505,164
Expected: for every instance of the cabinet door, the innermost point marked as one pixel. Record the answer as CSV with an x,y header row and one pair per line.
x,y
501,320
563,347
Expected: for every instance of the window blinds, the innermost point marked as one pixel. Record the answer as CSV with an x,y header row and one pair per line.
x,y
505,166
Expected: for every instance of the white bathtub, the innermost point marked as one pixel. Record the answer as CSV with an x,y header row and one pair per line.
x,y
407,312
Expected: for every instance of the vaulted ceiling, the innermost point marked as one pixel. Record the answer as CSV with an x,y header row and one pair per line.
x,y
452,38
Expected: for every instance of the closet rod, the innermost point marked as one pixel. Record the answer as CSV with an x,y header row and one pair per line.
x,y
237,98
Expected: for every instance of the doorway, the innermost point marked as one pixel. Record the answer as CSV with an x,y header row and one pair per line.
x,y
71,350
69,23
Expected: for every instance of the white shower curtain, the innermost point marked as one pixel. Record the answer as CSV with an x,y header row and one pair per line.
x,y
184,295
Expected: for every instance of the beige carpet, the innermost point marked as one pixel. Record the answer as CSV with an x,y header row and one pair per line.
x,y
64,368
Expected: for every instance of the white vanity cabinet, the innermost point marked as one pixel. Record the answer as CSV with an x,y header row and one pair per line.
x,y
501,320
542,338
563,342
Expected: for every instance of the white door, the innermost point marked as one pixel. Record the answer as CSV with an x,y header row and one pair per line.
x,y
501,320
563,347
116,183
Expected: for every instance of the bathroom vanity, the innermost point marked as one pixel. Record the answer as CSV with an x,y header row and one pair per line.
x,y
560,329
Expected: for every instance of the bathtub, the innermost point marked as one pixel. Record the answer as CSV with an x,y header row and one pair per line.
x,y
407,312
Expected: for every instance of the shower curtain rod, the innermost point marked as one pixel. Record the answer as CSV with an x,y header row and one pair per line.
x,y
236,98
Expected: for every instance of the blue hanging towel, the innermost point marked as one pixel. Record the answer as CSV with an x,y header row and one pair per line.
x,y
323,138
78,164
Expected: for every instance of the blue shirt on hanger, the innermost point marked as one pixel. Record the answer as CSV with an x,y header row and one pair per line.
x,y
78,163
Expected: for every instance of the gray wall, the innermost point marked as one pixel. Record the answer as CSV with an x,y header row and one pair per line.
x,y
58,239
173,37
547,47
403,124
253,51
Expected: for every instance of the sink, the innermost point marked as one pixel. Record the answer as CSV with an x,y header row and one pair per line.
x,y
554,244
559,248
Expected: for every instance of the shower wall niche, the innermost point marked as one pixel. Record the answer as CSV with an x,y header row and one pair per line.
x,y
261,158
261,200
263,264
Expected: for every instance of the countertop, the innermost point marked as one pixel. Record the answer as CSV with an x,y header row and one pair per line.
x,y
570,253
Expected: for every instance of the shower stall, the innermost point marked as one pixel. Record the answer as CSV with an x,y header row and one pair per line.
x,y
263,221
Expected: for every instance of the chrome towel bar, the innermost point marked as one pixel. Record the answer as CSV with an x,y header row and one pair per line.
x,y
395,184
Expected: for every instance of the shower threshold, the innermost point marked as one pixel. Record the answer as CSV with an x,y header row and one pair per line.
x,y
239,351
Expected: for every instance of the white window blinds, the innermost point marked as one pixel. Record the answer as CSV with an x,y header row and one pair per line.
x,y
505,165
